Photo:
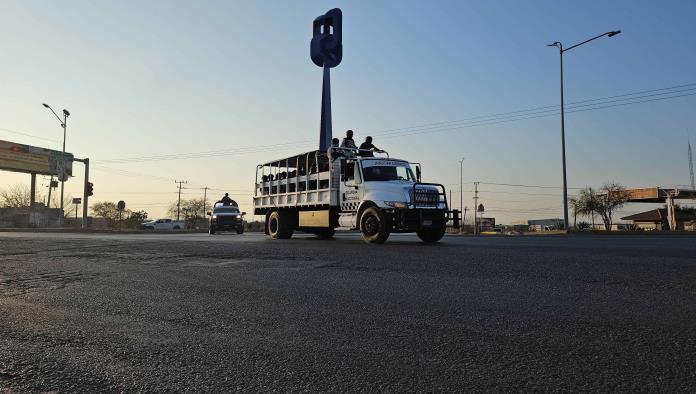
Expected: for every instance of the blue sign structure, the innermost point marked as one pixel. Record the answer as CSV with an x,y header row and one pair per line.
x,y
326,50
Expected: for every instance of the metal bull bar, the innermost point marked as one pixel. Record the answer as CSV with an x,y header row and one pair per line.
x,y
429,198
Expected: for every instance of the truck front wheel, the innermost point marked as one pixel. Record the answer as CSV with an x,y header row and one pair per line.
x,y
431,234
375,226
280,225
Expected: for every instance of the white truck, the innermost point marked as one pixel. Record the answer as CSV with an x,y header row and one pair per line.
x,y
321,192
162,225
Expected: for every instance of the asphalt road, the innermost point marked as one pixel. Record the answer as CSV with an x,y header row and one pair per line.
x,y
191,312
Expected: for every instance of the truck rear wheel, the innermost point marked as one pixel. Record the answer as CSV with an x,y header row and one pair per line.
x,y
211,230
375,226
325,233
280,225
431,234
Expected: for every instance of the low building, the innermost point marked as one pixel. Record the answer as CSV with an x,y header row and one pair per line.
x,y
545,224
656,219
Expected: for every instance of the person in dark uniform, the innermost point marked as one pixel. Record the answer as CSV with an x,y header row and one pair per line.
x,y
366,148
348,141
227,200
335,151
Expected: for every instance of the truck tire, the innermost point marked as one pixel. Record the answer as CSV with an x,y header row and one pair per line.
x,y
211,231
280,225
375,226
325,233
431,235
240,230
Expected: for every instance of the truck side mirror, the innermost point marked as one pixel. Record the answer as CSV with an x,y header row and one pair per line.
x,y
418,173
209,213
243,213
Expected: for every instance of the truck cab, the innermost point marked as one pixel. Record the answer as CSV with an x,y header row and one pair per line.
x,y
321,192
226,217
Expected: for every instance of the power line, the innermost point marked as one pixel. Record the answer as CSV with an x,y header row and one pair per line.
x,y
529,186
503,117
537,116
30,135
483,120
555,107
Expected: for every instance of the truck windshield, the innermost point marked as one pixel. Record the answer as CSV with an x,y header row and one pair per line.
x,y
226,210
387,173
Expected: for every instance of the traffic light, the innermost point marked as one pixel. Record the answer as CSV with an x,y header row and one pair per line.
x,y
90,188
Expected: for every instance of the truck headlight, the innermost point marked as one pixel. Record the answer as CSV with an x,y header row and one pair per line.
x,y
396,204
239,216
214,217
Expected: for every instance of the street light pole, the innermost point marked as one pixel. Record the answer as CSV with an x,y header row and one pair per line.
x,y
62,181
461,185
563,147
64,125
563,144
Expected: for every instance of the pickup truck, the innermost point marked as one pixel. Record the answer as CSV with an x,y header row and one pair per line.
x,y
162,225
226,218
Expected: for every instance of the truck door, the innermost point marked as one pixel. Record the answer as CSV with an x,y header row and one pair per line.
x,y
351,180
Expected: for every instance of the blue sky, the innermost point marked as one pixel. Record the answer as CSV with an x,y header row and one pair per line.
x,y
158,78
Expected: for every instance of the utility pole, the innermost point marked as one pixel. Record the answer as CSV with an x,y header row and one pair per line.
x,y
461,184
178,204
205,195
464,218
475,207
50,186
691,166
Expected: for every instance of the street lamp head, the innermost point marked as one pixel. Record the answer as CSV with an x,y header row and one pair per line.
x,y
46,105
555,44
613,33
66,113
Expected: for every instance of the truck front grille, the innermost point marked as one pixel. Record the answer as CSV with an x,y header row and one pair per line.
x,y
425,198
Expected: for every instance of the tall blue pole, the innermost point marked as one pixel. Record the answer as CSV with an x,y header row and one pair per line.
x,y
325,132
326,51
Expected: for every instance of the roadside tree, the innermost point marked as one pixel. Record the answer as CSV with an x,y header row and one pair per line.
x,y
18,196
15,196
604,202
612,197
109,211
190,210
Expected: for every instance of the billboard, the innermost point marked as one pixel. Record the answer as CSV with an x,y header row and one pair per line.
x,y
486,223
32,159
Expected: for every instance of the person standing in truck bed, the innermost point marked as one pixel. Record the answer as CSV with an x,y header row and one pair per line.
x,y
366,148
348,141
226,200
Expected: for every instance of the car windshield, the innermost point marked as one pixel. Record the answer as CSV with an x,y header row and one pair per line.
x,y
387,173
226,210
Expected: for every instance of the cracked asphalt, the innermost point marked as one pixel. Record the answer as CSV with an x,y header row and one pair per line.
x,y
195,313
